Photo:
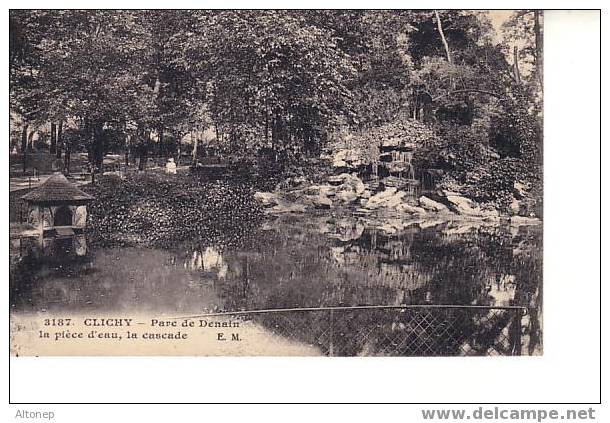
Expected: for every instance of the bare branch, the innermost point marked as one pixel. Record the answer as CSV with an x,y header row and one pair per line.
x,y
469,90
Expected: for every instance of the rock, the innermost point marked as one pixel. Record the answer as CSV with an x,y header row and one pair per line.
x,y
358,186
345,187
397,142
393,181
521,220
268,199
286,207
379,198
350,158
347,196
515,206
291,182
403,207
463,205
406,208
388,229
339,162
324,190
327,190
490,213
396,167
430,224
520,190
394,200
312,190
347,180
432,205
299,180
366,194
338,179
305,200
322,202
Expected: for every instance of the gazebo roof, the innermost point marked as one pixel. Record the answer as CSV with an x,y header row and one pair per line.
x,y
56,189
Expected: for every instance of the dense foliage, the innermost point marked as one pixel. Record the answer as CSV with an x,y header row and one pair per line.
x,y
279,83
150,209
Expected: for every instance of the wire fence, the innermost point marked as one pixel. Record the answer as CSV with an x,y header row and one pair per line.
x,y
408,330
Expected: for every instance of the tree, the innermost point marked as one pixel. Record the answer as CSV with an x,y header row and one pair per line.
x,y
272,78
26,31
524,30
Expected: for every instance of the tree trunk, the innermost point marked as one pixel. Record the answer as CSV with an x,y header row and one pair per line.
x,y
195,147
516,73
439,27
24,146
30,146
68,148
415,96
53,143
539,47
266,126
60,142
127,144
144,139
87,135
161,140
98,145
178,138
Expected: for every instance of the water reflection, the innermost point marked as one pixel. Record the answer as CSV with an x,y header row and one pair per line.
x,y
209,260
313,262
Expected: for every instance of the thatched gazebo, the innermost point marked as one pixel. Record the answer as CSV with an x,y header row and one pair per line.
x,y
58,208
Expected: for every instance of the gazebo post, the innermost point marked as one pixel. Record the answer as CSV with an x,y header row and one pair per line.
x,y
40,213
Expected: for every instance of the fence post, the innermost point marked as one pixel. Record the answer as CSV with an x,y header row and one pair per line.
x,y
330,334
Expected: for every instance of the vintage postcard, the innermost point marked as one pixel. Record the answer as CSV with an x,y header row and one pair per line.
x,y
276,182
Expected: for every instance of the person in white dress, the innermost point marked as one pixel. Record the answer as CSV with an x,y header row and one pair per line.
x,y
170,167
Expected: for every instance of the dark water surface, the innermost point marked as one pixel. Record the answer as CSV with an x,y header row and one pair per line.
x,y
295,261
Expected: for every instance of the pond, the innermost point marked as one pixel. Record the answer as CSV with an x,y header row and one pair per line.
x,y
296,261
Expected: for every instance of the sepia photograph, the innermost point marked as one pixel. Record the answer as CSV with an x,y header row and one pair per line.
x,y
331,183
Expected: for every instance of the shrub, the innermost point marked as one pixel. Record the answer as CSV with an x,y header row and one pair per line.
x,y
155,210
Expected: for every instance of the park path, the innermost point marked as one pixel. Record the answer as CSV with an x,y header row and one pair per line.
x,y
25,182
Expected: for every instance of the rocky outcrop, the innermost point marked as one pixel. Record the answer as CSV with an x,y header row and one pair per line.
x,y
322,202
267,199
348,192
347,181
406,208
515,206
520,190
347,196
521,220
288,207
467,207
375,201
429,204
349,159
462,205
